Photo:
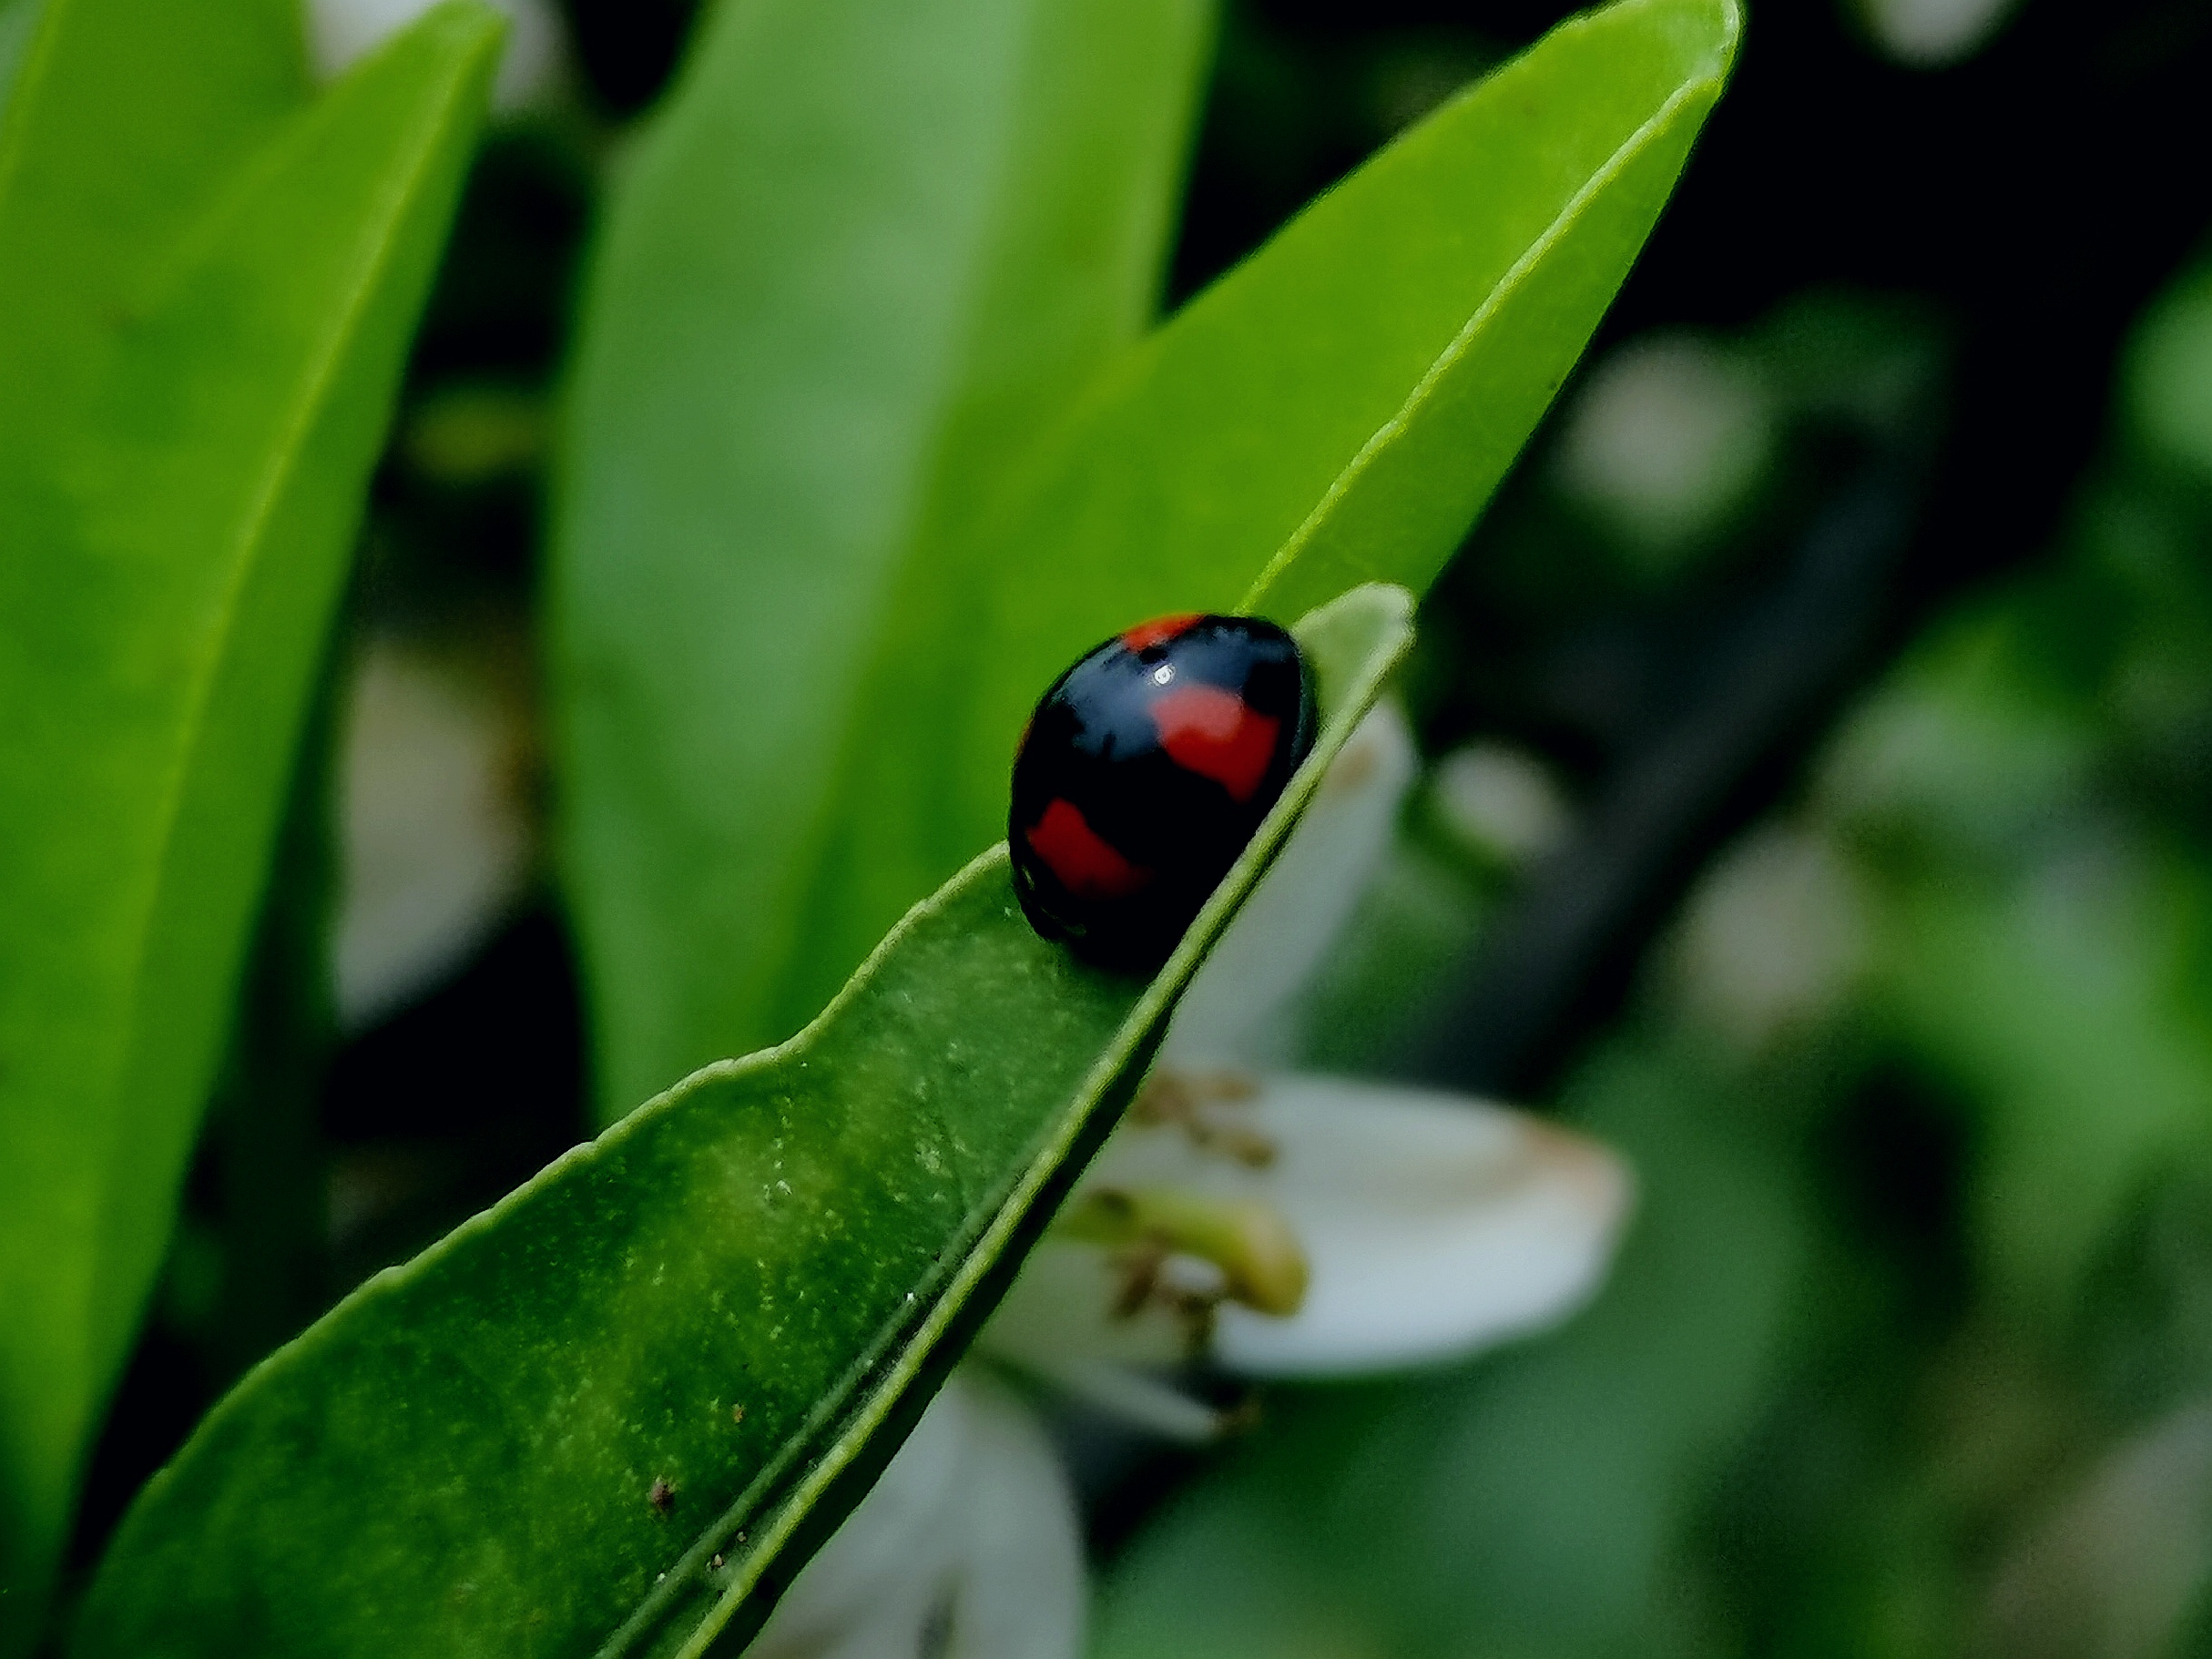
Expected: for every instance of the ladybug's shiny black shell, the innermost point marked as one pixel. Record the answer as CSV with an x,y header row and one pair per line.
x,y
1144,772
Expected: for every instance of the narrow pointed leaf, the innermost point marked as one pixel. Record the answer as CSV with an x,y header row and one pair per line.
x,y
186,431
1338,408
17,19
862,255
615,1413
123,120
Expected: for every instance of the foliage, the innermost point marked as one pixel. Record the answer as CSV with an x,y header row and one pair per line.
x,y
758,1272
866,436
208,281
863,609
1908,1349
867,426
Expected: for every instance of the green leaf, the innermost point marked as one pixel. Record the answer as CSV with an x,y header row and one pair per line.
x,y
1337,408
204,309
748,1289
2067,1004
124,120
2040,952
863,250
2167,374
17,18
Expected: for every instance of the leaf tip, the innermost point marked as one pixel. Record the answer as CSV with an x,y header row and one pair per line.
x,y
471,25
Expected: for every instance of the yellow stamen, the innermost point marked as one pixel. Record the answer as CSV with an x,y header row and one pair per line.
x,y
1257,1254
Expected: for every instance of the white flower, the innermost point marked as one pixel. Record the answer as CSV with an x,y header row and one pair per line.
x,y
1245,1217
969,1546
1422,1227
339,31
436,836
1933,33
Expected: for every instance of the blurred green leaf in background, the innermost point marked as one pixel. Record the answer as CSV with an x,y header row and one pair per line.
x,y
208,283
16,19
859,256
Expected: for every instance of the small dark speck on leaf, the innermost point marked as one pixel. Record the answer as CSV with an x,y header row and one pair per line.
x,y
662,1496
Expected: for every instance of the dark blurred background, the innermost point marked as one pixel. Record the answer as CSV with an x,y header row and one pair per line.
x,y
1819,807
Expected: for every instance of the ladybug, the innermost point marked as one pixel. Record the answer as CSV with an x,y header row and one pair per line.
x,y
1143,773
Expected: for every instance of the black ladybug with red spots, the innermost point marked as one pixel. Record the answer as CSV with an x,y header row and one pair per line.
x,y
1144,772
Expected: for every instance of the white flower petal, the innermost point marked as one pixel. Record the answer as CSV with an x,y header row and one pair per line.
x,y
1022,1592
1068,1305
1238,1004
436,841
1434,1224
895,1560
894,1629
1137,1398
339,31
966,1548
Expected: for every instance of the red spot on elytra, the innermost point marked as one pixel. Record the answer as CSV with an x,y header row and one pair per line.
x,y
1087,866
1218,734
1159,630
